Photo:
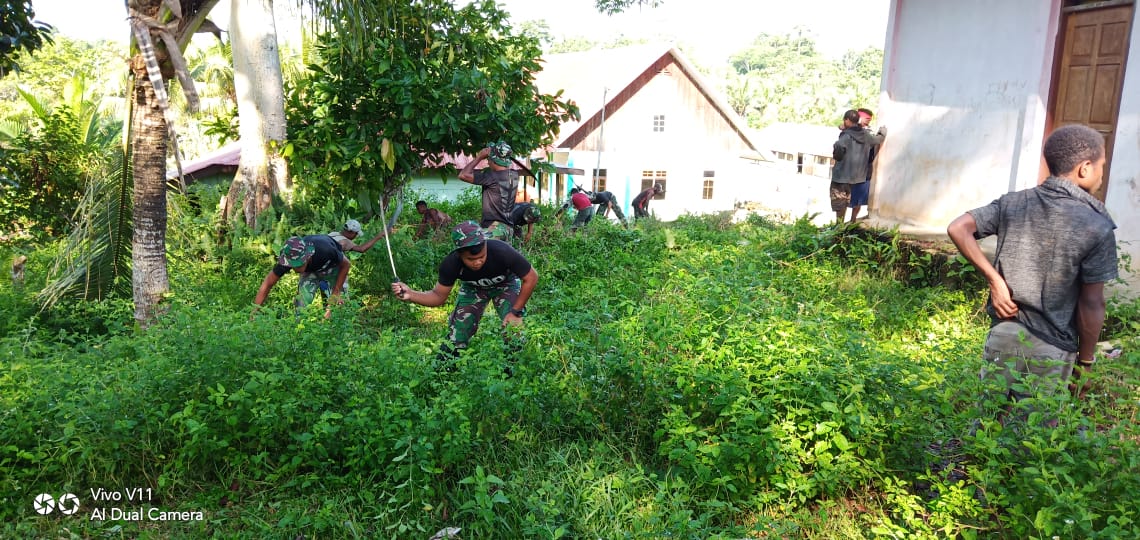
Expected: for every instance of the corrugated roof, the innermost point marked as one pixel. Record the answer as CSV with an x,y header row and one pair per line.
x,y
226,156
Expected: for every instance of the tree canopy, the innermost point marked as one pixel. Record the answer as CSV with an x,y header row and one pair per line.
x,y
784,78
102,64
612,7
362,123
19,31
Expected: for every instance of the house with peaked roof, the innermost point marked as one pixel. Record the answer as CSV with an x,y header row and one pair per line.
x,y
647,116
972,88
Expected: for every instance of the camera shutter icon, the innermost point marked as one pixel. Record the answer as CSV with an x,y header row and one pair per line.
x,y
68,504
44,503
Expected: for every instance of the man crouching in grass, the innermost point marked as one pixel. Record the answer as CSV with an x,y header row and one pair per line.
x,y
488,271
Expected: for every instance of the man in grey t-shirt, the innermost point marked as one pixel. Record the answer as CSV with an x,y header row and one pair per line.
x,y
500,185
1055,251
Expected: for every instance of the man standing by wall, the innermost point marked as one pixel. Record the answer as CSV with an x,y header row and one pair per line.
x,y
500,185
851,153
1055,250
861,192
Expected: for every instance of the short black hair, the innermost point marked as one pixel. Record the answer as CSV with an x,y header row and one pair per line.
x,y
473,250
866,111
574,190
1069,146
852,116
421,203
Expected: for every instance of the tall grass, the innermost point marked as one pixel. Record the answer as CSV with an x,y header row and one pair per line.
x,y
701,379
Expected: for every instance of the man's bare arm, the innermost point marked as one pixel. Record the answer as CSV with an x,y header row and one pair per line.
x,y
961,232
468,172
433,298
368,245
1090,320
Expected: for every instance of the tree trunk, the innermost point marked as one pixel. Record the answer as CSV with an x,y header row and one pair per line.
x,y
149,278
262,171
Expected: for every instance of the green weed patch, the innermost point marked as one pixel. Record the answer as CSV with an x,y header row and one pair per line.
x,y
702,379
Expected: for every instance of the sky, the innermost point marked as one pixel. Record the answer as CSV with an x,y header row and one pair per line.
x,y
710,29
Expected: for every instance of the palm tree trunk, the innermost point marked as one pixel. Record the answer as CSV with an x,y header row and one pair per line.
x,y
262,171
149,278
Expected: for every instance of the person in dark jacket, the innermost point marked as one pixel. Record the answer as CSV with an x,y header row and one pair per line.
x,y
852,152
861,192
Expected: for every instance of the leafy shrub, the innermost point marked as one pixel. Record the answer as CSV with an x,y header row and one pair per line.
x,y
748,380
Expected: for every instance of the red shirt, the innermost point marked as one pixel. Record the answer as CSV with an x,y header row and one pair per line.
x,y
580,201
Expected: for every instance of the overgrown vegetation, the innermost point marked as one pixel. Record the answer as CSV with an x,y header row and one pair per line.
x,y
702,379
363,123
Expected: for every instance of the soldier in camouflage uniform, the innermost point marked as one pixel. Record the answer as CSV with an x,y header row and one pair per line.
x,y
489,271
317,258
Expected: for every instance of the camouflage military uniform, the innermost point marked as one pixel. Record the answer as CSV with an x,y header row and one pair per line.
x,y
469,307
323,255
498,230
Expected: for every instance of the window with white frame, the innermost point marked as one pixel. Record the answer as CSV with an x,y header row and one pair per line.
x,y
658,123
707,185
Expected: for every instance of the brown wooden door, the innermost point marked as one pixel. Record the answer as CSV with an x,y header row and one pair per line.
x,y
1091,75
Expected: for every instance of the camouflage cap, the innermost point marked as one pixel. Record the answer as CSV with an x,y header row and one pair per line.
x,y
500,154
532,214
295,252
468,234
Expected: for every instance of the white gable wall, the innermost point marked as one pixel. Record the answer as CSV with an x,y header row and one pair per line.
x,y
696,138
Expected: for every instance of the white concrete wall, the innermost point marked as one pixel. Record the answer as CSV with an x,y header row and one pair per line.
x,y
1123,196
965,90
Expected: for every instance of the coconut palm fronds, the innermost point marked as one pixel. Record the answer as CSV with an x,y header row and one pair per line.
x,y
95,260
